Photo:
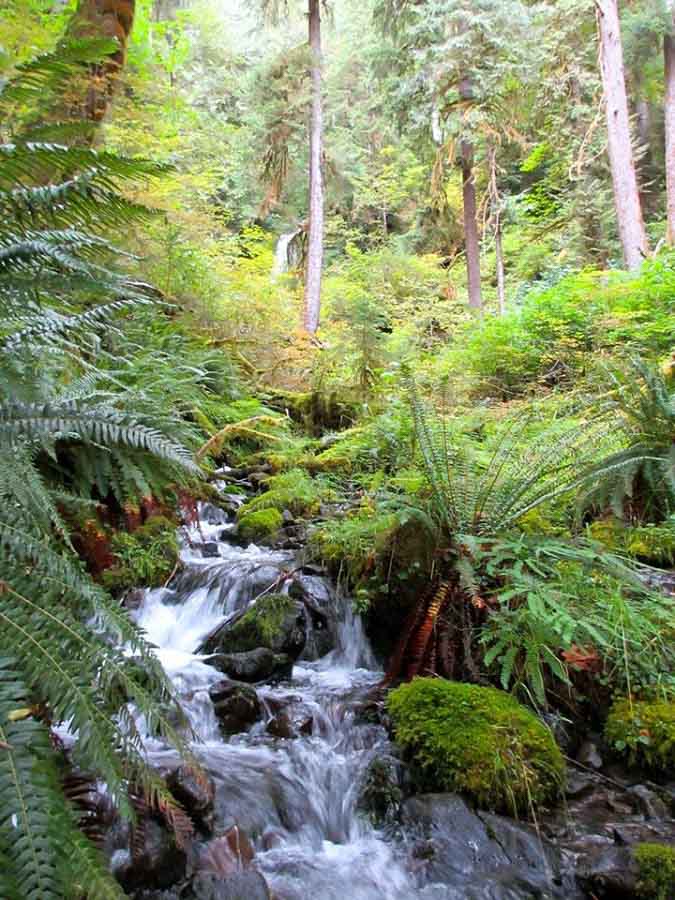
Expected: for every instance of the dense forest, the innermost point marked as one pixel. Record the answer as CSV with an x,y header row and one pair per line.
x,y
337,449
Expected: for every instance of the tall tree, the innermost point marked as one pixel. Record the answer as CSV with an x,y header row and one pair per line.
x,y
669,60
312,307
471,235
626,193
96,19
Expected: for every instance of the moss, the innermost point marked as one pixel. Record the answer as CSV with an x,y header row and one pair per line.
x,y
254,526
654,544
294,490
261,625
656,871
145,558
644,732
478,741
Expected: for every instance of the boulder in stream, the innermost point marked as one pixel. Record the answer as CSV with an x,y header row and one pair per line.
x,y
253,667
275,621
195,795
236,705
246,885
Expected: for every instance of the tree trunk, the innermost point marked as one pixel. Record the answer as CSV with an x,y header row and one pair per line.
x,y
626,195
312,309
499,258
100,19
471,239
669,59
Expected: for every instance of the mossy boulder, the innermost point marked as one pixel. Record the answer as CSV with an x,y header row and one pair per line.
x,y
477,741
145,558
294,490
275,621
656,867
644,732
255,526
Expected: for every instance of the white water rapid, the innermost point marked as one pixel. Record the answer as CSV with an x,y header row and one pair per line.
x,y
296,797
283,253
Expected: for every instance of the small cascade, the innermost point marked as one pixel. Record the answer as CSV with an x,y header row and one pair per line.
x,y
298,796
284,255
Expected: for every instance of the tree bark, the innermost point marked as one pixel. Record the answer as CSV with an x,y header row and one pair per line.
x,y
100,19
471,238
669,60
626,193
312,307
499,257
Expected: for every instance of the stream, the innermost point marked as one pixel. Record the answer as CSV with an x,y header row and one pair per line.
x,y
299,796
292,779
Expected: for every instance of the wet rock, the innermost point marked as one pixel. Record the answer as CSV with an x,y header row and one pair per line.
x,y
133,599
209,549
236,705
159,863
253,667
648,802
275,621
483,856
588,755
608,873
280,726
318,597
246,885
212,514
194,794
381,795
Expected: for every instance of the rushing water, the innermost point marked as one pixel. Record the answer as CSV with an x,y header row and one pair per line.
x,y
298,797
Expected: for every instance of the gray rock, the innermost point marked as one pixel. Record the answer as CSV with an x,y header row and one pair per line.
x,y
608,873
588,755
246,885
236,705
483,856
381,795
194,794
648,802
253,667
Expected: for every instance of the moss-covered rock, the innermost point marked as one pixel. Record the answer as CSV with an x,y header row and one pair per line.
x,y
656,866
477,741
644,732
275,621
295,491
254,526
145,558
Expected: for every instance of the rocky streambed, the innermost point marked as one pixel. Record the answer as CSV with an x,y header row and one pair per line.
x,y
305,797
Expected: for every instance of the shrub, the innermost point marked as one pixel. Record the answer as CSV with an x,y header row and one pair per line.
x,y
644,732
261,524
656,867
478,741
144,558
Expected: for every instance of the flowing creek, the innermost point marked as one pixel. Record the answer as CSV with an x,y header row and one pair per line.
x,y
298,796
296,793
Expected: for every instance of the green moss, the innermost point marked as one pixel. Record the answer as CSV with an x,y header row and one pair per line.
x,y
145,558
294,490
478,741
261,524
261,625
656,868
643,732
654,544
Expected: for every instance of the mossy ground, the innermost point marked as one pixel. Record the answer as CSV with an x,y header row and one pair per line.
x,y
643,732
261,625
477,741
145,557
656,866
294,490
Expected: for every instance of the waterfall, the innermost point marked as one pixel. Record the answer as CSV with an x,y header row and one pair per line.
x,y
283,254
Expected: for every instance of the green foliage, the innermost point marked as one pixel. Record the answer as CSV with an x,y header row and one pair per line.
x,y
144,558
656,868
653,544
477,741
260,626
255,526
643,732
294,490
